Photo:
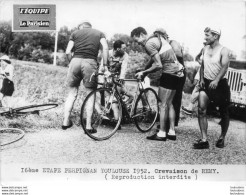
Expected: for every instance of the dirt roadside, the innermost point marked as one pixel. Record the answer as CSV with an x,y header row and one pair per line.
x,y
127,146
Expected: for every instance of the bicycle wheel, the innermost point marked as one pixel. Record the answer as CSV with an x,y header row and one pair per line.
x,y
101,111
10,135
33,109
146,110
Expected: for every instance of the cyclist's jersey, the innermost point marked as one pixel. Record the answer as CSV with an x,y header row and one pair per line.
x,y
167,55
118,64
86,43
212,62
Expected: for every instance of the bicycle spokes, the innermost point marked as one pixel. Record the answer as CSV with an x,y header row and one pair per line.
x,y
101,111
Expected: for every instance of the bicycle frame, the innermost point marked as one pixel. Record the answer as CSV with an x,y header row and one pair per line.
x,y
137,92
130,115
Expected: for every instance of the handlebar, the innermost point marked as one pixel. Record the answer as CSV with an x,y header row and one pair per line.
x,y
113,76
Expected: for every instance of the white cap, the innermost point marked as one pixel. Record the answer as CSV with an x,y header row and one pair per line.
x,y
6,59
213,29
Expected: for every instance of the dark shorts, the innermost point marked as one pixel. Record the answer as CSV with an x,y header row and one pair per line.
x,y
79,69
7,87
169,81
219,96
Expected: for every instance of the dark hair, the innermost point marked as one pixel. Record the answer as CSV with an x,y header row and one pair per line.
x,y
117,44
137,31
85,25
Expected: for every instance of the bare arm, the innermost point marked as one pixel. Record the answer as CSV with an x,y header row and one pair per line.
x,y
149,63
69,50
198,57
225,64
157,65
105,54
202,75
124,67
177,48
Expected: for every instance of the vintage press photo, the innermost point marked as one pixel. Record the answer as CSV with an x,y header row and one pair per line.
x,y
50,52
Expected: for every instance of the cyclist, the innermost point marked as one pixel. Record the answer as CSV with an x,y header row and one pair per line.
x,y
118,61
86,43
162,58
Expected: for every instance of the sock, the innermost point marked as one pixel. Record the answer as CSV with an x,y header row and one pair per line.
x,y
161,134
171,132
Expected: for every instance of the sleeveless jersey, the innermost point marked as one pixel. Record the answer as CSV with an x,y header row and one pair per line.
x,y
212,62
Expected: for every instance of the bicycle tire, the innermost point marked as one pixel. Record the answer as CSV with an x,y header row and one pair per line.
x,y
14,139
102,119
146,110
33,108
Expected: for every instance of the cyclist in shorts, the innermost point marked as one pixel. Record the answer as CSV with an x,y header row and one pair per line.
x,y
162,58
214,87
85,43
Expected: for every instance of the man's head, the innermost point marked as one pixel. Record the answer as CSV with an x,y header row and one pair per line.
x,y
139,35
119,48
211,35
162,32
84,24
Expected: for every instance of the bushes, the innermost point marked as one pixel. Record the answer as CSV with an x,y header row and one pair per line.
x,y
61,59
42,56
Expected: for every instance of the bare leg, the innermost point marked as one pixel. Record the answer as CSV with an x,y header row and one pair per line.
x,y
90,108
72,95
203,102
115,111
225,120
172,118
166,96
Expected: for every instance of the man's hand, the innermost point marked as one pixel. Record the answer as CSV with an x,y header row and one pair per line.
x,y
69,57
121,81
107,74
213,84
140,75
202,84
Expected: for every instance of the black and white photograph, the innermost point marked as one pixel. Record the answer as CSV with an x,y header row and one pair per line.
x,y
126,91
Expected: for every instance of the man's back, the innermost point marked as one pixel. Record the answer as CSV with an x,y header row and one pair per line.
x,y
86,43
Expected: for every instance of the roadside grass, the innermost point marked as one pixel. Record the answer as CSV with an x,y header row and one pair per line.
x,y
40,83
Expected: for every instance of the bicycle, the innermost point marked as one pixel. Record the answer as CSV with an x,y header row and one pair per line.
x,y
25,110
107,109
11,135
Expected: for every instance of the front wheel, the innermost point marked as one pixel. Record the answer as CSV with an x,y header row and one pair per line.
x,y
101,114
146,110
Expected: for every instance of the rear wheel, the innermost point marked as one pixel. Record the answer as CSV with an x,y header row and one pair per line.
x,y
101,114
146,110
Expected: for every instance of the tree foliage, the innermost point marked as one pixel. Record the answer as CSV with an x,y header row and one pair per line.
x,y
131,45
5,36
